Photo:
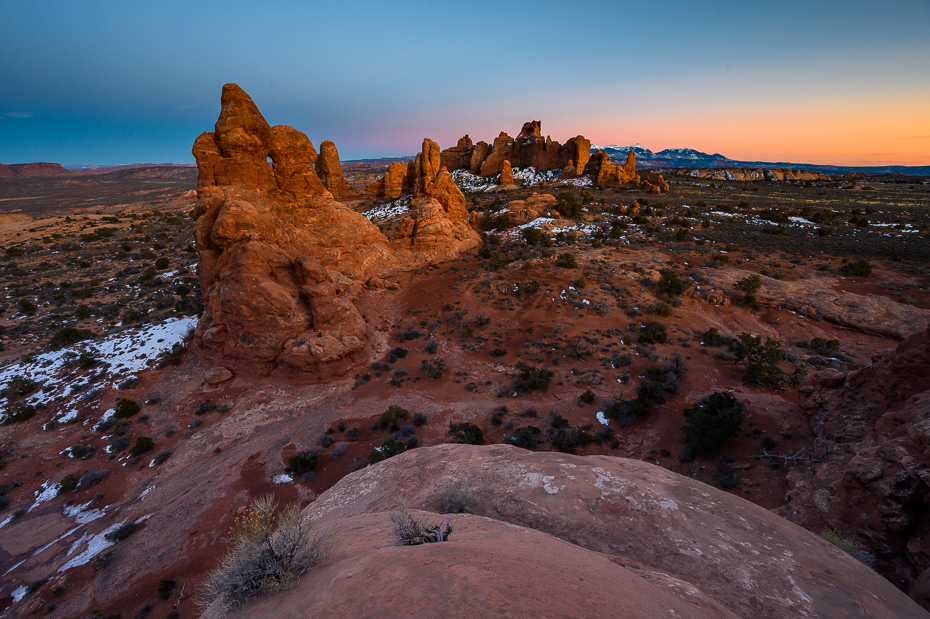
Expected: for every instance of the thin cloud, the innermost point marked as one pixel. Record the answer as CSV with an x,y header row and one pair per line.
x,y
18,115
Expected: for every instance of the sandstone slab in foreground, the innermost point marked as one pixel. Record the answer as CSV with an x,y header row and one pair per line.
x,y
557,535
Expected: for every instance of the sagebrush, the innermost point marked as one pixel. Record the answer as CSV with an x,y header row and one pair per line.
x,y
270,550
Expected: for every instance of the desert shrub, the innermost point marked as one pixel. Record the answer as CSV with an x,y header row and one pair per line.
x,y
434,368
161,456
326,440
712,337
144,444
161,263
762,361
534,236
20,413
18,386
566,261
391,418
849,546
301,463
339,450
497,353
671,284
118,444
353,434
92,478
661,308
567,205
125,408
750,285
650,393
121,532
68,336
388,449
166,589
724,474
626,411
653,333
823,346
569,439
270,550
27,307
454,499
82,452
397,353
419,419
171,357
525,437
410,530
466,433
68,483
859,268
531,377
431,346
711,423
587,397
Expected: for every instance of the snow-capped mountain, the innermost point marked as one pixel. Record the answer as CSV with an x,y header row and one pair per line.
x,y
670,157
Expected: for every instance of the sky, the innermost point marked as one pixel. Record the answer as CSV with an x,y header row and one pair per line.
x,y
845,83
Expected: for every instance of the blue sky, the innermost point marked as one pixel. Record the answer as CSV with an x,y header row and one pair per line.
x,y
117,82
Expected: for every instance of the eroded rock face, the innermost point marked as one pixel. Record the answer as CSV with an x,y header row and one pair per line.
x,y
501,150
506,180
870,473
614,537
282,262
329,170
458,156
537,205
605,174
391,185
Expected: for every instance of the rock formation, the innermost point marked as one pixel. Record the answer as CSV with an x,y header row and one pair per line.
x,y
459,156
869,476
501,150
282,262
756,174
330,172
605,174
537,205
815,297
391,185
506,180
605,537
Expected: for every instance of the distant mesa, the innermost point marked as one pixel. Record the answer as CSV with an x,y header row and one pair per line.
x,y
28,170
282,262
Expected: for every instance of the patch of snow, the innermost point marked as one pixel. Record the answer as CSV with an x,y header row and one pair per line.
x,y
283,478
602,419
19,593
389,209
49,491
126,354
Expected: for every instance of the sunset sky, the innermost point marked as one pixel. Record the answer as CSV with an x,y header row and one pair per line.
x,y
108,82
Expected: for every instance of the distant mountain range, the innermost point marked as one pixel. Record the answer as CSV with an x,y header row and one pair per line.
x,y
691,158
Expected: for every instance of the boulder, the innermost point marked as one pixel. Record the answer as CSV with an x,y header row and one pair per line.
x,y
533,207
478,155
577,151
605,174
606,537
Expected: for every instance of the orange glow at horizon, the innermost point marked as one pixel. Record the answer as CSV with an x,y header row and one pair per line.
x,y
864,133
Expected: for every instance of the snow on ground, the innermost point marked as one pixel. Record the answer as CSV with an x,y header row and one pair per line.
x,y
530,176
121,355
388,210
472,182
283,479
602,419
